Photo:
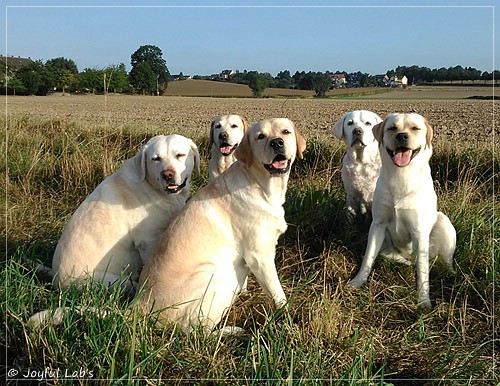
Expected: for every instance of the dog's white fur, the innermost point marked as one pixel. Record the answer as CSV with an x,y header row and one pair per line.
x,y
113,230
361,163
405,205
226,133
227,230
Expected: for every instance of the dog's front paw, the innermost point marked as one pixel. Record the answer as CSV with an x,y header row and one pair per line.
x,y
424,304
280,304
356,282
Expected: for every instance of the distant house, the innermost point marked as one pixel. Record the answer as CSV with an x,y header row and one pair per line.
x,y
14,63
396,81
226,74
338,80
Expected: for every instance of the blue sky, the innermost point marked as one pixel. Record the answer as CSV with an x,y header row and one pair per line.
x,y
201,38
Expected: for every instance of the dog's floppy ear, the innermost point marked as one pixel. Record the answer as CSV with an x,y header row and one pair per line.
x,y
245,123
138,164
428,136
212,132
378,131
301,142
338,128
243,152
196,154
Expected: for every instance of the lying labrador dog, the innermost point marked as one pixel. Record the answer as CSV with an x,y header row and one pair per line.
x,y
227,230
405,205
361,163
226,133
113,230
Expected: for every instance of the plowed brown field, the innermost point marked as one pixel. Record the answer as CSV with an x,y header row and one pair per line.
x,y
454,120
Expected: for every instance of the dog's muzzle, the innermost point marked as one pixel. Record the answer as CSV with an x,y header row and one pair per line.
x,y
174,188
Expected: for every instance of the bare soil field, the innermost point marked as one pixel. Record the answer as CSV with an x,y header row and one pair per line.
x,y
454,120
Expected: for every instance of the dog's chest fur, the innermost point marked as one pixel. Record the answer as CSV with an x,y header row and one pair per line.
x,y
360,170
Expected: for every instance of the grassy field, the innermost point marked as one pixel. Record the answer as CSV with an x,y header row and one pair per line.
x,y
57,150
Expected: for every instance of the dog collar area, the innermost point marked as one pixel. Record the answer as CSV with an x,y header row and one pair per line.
x,y
172,188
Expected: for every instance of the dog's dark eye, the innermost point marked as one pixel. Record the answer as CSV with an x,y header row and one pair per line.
x,y
156,158
350,122
217,125
286,131
368,123
392,128
181,155
261,136
234,126
415,128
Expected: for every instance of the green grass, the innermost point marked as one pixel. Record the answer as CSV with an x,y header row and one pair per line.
x,y
330,335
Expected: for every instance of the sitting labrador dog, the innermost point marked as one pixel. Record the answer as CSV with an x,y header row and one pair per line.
x,y
114,228
361,163
227,230
405,205
226,133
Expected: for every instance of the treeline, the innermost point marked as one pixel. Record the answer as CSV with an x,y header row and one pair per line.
x,y
150,76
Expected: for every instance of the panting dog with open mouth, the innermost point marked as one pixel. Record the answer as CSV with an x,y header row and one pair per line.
x,y
114,228
227,230
226,133
407,226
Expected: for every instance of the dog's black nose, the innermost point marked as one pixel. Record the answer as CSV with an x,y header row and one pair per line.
x,y
223,136
277,143
167,174
402,137
357,131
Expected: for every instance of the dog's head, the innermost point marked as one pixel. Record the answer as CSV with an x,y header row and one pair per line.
x,y
167,162
355,128
271,145
403,137
226,133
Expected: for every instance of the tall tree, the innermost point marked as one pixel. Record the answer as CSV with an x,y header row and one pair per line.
x,y
63,72
147,62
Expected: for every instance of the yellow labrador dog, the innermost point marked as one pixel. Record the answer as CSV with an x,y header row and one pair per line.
x,y
226,133
113,230
227,230
361,163
405,205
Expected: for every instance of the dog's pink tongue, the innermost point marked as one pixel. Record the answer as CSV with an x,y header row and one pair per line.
x,y
226,149
402,157
280,164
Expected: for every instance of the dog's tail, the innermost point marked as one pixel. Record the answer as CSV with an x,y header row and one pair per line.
x,y
55,317
39,267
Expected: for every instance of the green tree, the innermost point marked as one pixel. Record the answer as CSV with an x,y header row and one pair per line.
x,y
63,73
321,83
35,78
119,81
91,80
144,79
147,63
257,82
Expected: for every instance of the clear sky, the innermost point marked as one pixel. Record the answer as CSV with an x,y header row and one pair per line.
x,y
205,37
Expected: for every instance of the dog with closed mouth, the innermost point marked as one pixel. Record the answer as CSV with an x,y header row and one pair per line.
x,y
361,163
226,133
114,228
227,230
406,225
